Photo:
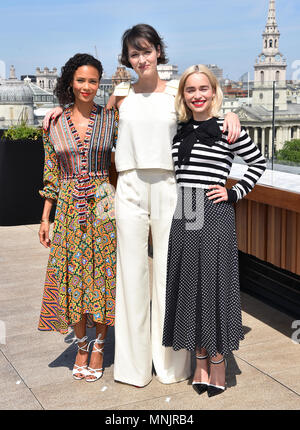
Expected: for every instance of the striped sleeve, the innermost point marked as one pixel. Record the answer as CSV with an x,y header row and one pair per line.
x,y
115,127
249,152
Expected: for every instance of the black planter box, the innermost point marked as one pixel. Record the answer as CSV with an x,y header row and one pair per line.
x,y
21,178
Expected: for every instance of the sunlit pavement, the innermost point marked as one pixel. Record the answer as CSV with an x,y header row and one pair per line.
x,y
35,367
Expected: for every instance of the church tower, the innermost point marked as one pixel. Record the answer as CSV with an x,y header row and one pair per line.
x,y
270,66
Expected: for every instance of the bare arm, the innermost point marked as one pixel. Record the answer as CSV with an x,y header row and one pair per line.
x,y
51,115
45,224
114,101
233,126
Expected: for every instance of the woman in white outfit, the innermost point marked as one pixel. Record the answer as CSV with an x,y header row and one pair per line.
x,y
145,197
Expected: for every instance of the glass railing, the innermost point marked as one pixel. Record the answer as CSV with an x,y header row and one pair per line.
x,y
277,165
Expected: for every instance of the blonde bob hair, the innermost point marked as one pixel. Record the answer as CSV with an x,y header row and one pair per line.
x,y
183,112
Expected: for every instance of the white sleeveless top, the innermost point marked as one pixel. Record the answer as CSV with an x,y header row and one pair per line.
x,y
147,125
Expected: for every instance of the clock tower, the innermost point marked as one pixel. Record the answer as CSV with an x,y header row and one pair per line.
x,y
270,66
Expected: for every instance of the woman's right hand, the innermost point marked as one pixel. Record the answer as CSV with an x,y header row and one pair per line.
x,y
44,234
52,114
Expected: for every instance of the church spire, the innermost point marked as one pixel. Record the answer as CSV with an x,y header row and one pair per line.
x,y
271,34
272,14
270,66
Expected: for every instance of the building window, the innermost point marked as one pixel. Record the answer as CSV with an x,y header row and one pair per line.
x,y
266,154
261,96
271,43
277,76
262,77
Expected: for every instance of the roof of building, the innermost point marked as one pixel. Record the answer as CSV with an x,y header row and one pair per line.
x,y
106,81
38,91
261,113
14,91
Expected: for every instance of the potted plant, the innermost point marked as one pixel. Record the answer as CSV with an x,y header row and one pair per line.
x,y
21,175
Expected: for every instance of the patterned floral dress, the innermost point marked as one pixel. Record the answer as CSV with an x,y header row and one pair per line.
x,y
80,276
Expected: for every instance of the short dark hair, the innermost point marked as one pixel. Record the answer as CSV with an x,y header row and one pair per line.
x,y
62,90
133,37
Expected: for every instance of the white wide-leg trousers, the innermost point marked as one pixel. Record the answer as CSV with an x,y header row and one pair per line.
x,y
144,198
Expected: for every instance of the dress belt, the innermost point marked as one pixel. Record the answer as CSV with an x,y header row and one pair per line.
x,y
83,191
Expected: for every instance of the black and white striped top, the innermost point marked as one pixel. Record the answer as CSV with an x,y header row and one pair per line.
x,y
210,165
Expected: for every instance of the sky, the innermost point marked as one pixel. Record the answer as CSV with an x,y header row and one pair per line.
x,y
39,33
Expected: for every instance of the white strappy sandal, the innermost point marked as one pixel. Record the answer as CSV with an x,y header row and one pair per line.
x,y
81,369
96,373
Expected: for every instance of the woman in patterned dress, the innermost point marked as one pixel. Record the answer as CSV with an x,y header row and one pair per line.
x,y
80,278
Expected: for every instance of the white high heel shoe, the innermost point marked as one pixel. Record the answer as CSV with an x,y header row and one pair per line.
x,y
80,369
214,390
200,387
96,373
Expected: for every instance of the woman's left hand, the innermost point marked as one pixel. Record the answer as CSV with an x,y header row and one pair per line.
x,y
233,125
218,192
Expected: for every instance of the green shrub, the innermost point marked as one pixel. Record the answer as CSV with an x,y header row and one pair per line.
x,y
290,151
23,131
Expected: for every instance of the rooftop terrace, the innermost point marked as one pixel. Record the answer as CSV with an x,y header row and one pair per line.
x,y
35,367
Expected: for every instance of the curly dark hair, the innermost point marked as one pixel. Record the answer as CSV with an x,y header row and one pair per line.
x,y
133,37
62,90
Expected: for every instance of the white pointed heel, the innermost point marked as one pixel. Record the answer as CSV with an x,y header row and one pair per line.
x,y
200,387
214,390
80,369
95,373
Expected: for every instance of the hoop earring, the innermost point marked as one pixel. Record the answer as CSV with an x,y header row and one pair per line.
x,y
70,90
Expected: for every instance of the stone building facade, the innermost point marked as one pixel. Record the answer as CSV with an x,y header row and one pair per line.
x,y
121,75
46,79
167,71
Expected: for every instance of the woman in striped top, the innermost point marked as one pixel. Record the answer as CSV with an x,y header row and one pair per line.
x,y
203,311
80,278
209,166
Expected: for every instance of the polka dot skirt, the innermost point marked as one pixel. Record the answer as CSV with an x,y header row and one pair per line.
x,y
203,296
